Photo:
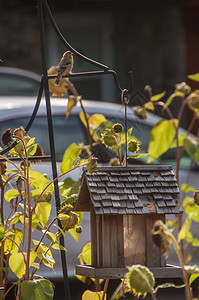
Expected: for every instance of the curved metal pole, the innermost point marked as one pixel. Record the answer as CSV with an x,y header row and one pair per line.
x,y
101,66
32,118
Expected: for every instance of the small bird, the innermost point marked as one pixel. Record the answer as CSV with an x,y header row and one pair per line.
x,y
65,66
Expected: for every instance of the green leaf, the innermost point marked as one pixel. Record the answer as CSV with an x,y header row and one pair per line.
x,y
51,236
2,231
89,295
31,150
191,208
39,181
11,194
35,222
45,255
181,137
138,155
57,246
71,153
17,264
193,277
187,188
37,289
192,148
185,230
157,97
194,77
85,255
42,212
63,217
149,105
30,142
74,234
161,138
11,246
170,99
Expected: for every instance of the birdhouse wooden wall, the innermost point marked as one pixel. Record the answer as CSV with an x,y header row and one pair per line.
x,y
107,241
119,241
124,203
138,245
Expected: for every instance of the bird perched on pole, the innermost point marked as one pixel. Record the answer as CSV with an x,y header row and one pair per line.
x,y
65,66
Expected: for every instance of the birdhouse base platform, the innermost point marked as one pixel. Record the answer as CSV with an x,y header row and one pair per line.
x,y
170,271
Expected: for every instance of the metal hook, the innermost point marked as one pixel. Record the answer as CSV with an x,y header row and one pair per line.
x,y
125,96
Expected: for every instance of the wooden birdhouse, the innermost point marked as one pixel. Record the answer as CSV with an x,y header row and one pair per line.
x,y
124,203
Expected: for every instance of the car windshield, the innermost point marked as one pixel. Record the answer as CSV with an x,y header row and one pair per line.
x,y
71,130
11,85
66,131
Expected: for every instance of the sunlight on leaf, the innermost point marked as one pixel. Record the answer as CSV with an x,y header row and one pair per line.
x,y
11,194
192,148
42,212
185,230
161,138
2,231
170,99
71,153
157,97
89,295
194,77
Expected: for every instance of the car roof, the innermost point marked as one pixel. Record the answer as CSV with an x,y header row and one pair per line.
x,y
18,106
21,73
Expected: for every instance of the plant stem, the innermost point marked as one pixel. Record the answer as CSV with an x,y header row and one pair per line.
x,y
27,192
182,263
2,244
105,288
45,233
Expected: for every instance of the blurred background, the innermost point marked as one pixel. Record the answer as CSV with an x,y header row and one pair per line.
x,y
157,40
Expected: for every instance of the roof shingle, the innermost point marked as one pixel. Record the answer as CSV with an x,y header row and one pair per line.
x,y
133,190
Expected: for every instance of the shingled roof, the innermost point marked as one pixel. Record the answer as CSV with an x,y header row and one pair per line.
x,y
134,190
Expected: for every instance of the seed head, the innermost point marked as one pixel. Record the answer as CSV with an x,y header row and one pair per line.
x,y
7,137
118,128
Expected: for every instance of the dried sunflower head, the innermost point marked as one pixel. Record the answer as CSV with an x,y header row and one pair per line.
x,y
7,137
161,237
118,128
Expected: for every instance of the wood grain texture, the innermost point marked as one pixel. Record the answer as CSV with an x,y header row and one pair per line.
x,y
154,257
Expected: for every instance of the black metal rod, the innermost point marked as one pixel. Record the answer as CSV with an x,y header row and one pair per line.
x,y
51,140
32,118
125,130
93,73
34,158
101,66
41,88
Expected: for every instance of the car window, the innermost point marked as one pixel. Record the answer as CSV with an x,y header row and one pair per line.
x,y
66,131
71,130
12,85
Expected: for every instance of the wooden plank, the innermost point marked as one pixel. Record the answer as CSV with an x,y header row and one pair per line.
x,y
93,238
163,261
134,239
154,257
115,273
113,241
120,238
106,237
99,240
